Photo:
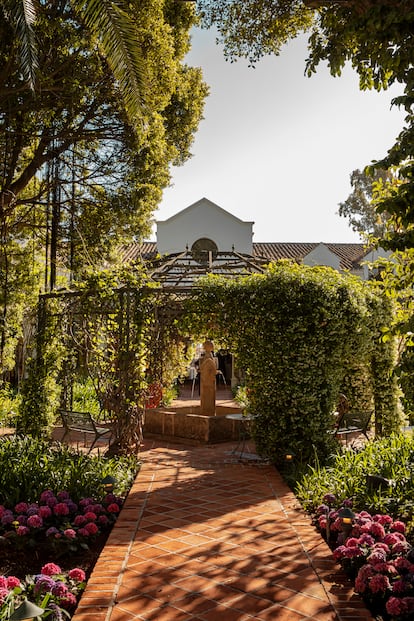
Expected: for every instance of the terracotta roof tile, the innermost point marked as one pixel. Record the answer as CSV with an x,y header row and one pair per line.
x,y
350,255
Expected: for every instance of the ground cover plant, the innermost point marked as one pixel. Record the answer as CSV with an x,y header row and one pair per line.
x,y
361,503
55,510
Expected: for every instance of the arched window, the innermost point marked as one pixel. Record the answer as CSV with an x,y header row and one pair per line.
x,y
202,248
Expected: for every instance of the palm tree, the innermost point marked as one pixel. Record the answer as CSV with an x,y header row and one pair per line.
x,y
110,22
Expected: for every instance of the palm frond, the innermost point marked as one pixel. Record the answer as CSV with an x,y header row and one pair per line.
x,y
21,15
112,23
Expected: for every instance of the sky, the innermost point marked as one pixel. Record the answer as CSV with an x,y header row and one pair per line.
x,y
276,147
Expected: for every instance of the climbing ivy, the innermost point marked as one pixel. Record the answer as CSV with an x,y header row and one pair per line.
x,y
297,332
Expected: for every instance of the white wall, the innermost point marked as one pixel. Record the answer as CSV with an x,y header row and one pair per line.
x,y
321,255
204,219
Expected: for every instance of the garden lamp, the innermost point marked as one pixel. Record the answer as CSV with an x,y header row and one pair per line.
x,y
347,518
289,456
27,610
109,483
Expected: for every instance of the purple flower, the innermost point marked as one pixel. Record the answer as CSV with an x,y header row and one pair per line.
x,y
43,583
60,589
63,496
33,509
7,518
52,531
329,499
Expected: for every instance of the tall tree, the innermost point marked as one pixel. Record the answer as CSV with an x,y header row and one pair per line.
x,y
74,168
359,208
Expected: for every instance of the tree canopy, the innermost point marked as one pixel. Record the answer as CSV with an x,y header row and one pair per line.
x,y
375,36
77,173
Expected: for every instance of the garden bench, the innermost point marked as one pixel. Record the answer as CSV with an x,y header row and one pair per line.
x,y
353,422
83,422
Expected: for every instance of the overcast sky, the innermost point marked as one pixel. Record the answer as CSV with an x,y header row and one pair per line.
x,y
277,148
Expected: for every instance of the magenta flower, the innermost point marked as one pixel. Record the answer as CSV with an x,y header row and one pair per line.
x,y
12,582
401,547
51,569
61,509
80,520
77,574
44,496
395,607
91,527
113,508
399,587
68,600
21,507
70,533
377,530
379,584
3,594
384,520
398,526
22,531
45,512
90,516
60,589
35,521
3,582
82,532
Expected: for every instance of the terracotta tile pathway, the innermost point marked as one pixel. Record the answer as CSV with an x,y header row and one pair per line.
x,y
205,537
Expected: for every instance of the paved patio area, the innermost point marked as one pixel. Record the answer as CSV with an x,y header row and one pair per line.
x,y
204,536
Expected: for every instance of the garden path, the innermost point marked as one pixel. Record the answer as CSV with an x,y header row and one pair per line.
x,y
204,536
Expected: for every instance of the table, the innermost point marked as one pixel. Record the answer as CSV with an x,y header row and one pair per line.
x,y
244,433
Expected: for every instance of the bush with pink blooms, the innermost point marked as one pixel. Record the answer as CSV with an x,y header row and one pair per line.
x,y
56,521
55,591
375,553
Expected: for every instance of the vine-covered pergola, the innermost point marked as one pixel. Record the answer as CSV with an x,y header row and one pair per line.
x,y
302,335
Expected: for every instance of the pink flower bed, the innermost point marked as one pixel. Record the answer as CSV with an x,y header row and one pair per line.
x,y
376,554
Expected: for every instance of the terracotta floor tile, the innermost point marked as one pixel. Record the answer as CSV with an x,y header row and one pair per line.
x,y
204,537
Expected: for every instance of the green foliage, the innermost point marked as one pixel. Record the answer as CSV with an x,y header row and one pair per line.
x,y
30,466
297,331
84,398
358,207
375,36
40,392
9,405
346,477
